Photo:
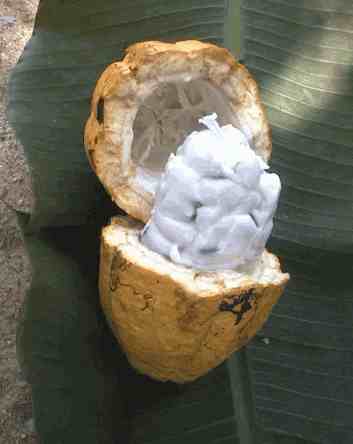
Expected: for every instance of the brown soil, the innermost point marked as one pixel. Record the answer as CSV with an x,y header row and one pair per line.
x,y
16,422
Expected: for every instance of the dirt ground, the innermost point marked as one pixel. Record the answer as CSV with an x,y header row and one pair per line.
x,y
16,422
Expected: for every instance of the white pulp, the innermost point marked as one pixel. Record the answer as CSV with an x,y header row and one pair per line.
x,y
215,202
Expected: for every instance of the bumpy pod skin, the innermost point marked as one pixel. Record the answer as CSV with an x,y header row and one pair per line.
x,y
175,323
124,85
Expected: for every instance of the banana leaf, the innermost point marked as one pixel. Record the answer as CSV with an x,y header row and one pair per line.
x,y
301,362
83,388
64,347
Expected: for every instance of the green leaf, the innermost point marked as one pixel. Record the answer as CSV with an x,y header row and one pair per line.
x,y
65,348
302,58
301,55
83,389
301,362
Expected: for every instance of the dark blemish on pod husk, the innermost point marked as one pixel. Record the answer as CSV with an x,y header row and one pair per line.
x,y
100,110
243,302
118,264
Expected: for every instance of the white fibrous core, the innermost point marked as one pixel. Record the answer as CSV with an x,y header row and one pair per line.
x,y
215,202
